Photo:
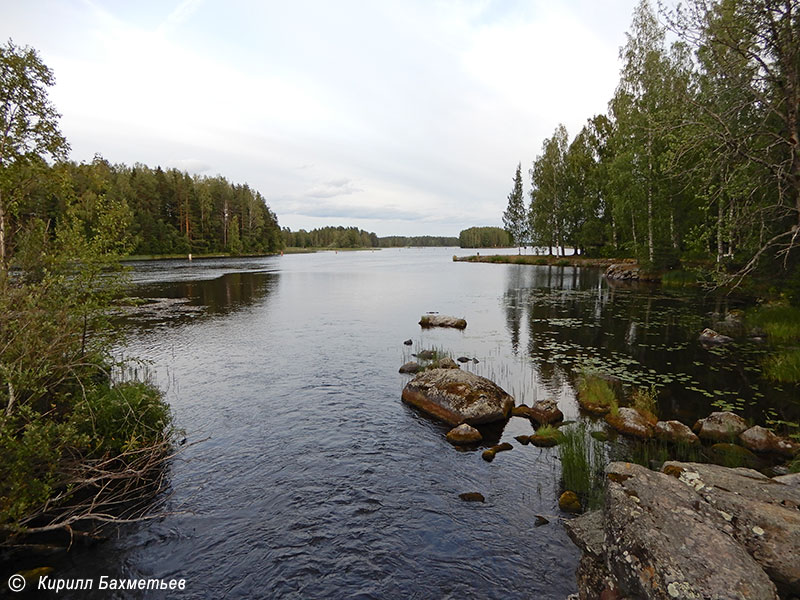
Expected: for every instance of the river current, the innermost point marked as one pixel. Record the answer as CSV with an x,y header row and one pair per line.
x,y
305,476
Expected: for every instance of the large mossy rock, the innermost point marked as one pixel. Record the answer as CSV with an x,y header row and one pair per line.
x,y
457,396
691,531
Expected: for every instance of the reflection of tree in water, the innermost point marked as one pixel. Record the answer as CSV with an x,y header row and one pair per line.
x,y
643,334
177,301
514,301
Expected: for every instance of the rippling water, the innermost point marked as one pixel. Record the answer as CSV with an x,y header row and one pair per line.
x,y
308,478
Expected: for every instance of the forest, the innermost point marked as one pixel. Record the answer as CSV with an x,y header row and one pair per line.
x,y
697,157
484,237
352,237
164,211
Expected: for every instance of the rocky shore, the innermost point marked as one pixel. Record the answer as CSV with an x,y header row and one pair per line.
x,y
691,531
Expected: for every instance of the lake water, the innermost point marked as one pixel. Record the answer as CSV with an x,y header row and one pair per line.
x,y
305,476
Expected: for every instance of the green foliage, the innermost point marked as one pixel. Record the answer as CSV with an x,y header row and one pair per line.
x,y
32,445
645,401
582,465
484,237
515,219
679,278
122,418
401,241
330,237
783,366
60,416
594,389
780,322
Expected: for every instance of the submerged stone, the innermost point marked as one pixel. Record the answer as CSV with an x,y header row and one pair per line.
x,y
709,336
457,396
569,502
472,497
521,411
464,434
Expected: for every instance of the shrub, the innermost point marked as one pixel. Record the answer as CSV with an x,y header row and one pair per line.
x,y
645,401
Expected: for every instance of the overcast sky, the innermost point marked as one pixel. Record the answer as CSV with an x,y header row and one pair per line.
x,y
400,117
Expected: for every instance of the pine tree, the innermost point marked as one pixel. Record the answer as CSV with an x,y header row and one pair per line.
x,y
515,219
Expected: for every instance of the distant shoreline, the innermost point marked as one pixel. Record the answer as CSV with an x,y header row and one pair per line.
x,y
541,260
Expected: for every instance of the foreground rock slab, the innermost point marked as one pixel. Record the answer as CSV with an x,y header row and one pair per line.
x,y
455,396
692,531
762,514
442,321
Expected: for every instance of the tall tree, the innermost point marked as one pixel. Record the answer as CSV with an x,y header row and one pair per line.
x,y
515,219
748,55
28,126
549,192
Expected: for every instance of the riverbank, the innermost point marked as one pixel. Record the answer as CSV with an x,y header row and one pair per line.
x,y
217,255
553,261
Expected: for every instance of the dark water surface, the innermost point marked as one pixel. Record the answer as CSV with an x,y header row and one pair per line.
x,y
308,477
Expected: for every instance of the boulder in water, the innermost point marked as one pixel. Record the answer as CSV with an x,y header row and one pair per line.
x,y
442,321
457,396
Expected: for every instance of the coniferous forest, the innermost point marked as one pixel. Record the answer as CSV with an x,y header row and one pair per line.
x,y
164,211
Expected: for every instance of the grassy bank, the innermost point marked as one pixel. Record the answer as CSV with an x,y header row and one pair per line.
x,y
553,261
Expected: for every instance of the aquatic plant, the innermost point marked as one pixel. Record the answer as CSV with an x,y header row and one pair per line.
x,y
582,464
783,366
595,393
679,278
780,322
645,401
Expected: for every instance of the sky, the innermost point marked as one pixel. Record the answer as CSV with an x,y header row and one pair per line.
x,y
403,117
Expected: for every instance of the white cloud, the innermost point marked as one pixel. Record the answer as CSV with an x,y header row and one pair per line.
x,y
392,113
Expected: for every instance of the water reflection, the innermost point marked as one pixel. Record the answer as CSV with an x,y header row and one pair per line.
x,y
642,334
173,302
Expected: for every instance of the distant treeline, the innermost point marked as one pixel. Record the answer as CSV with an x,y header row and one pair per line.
x,y
399,241
484,237
352,237
164,212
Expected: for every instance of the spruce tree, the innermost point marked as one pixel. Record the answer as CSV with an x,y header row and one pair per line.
x,y
515,219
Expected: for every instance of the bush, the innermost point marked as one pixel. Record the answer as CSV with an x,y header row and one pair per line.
x,y
125,417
